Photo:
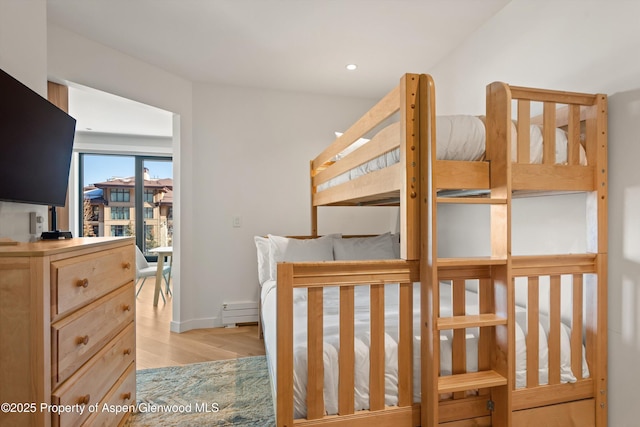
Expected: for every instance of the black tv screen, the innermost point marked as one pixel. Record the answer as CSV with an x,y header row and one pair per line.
x,y
36,143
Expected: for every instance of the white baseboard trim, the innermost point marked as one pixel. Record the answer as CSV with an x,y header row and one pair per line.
x,y
187,325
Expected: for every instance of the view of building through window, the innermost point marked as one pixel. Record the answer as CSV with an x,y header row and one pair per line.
x,y
109,198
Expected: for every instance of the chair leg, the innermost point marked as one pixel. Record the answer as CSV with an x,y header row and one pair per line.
x,y
141,284
166,281
140,288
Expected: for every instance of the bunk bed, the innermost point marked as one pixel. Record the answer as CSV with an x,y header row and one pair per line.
x,y
504,387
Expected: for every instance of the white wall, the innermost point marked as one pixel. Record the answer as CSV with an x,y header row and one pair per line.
x,y
252,149
537,228
574,45
586,46
23,28
624,256
105,143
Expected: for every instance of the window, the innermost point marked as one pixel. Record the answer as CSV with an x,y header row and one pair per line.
x,y
118,230
95,214
122,193
119,212
119,195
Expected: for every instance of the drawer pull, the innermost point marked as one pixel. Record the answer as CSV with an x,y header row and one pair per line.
x,y
126,266
84,400
127,351
83,340
82,283
126,396
126,307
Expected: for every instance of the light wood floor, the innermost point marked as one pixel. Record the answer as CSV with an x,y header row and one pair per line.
x,y
158,347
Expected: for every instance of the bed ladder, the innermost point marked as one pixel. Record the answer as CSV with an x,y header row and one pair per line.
x,y
492,377
495,355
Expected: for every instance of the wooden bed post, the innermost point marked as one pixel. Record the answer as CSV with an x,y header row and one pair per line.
x,y
502,356
430,295
284,325
410,126
597,217
314,208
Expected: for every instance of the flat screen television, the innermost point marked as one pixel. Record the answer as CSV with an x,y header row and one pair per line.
x,y
36,143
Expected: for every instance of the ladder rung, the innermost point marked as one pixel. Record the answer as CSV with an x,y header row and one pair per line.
x,y
471,321
470,381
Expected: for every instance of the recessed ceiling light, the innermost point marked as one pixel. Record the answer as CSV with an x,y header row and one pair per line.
x,y
351,67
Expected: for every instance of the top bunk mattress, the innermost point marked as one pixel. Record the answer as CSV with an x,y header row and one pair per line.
x,y
458,137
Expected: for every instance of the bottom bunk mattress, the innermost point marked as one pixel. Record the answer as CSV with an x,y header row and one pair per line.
x,y
362,339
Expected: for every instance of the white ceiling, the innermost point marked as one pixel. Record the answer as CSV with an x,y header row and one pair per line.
x,y
101,112
300,45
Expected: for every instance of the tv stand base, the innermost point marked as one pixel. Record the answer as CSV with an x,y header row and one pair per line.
x,y
56,235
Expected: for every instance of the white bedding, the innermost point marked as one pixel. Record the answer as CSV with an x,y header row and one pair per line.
x,y
461,137
361,368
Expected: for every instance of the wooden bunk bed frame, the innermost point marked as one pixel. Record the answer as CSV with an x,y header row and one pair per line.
x,y
414,183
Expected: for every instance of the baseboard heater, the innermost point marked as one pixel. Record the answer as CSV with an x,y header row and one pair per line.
x,y
234,313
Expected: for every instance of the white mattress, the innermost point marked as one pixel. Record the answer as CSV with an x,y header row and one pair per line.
x,y
361,369
461,137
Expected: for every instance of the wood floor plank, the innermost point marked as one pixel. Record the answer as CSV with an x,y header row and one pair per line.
x,y
158,347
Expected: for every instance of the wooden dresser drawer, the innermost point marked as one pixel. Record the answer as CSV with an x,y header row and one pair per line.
x,y
90,384
122,394
77,337
79,280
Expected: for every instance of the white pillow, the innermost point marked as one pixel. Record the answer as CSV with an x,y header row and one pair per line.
x,y
543,349
566,375
543,357
521,357
264,268
364,248
395,238
289,249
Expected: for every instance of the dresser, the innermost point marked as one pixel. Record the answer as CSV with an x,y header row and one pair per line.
x,y
67,332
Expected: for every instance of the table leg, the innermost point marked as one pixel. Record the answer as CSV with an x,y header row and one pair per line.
x,y
170,270
156,292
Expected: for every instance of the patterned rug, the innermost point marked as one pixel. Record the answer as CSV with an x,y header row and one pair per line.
x,y
233,392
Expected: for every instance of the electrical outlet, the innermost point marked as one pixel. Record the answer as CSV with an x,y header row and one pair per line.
x,y
237,222
36,223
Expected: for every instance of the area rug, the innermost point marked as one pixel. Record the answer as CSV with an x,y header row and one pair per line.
x,y
233,392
